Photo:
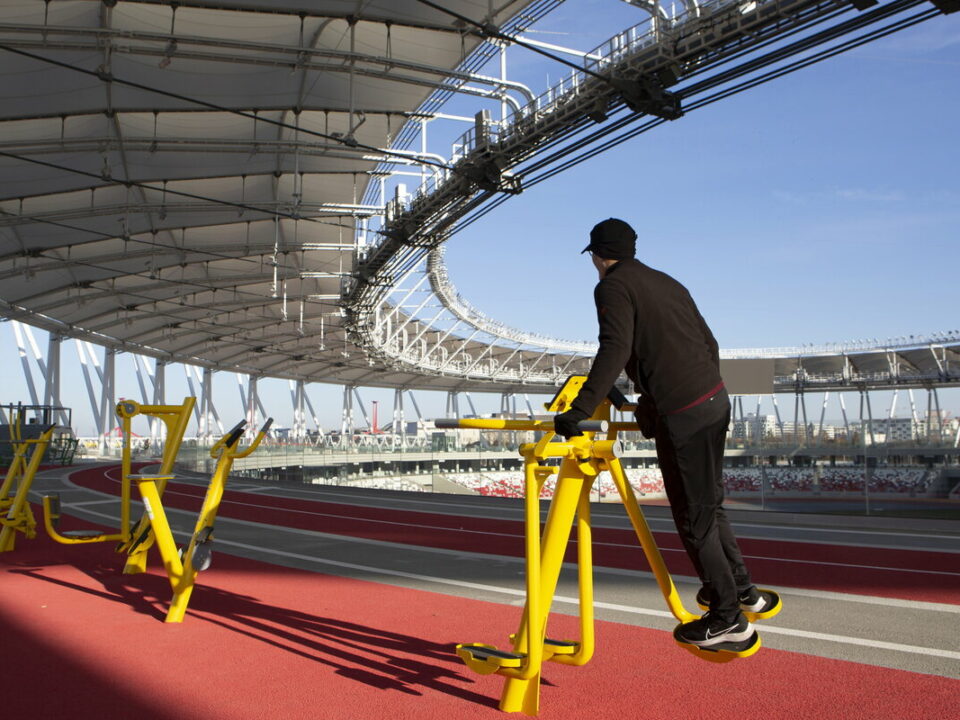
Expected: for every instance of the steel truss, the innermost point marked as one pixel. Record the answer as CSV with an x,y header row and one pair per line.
x,y
627,76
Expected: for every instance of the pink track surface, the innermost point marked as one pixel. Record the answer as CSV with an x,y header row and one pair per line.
x,y
906,574
82,641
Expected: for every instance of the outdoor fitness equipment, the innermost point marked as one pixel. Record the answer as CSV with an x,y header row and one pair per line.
x,y
175,418
153,527
182,566
581,460
18,514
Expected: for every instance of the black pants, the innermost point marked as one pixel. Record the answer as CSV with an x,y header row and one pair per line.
x,y
690,451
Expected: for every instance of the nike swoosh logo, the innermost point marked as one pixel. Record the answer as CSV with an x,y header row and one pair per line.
x,y
722,632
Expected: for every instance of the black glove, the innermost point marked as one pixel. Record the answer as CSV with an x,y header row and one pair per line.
x,y
566,423
647,417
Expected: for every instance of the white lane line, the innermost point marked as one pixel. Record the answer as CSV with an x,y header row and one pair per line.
x,y
313,513
597,514
842,639
94,502
596,543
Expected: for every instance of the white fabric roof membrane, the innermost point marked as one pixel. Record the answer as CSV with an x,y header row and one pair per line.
x,y
186,231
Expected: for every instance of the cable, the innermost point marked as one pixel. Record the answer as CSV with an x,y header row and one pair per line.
x,y
490,30
828,53
110,182
132,239
109,77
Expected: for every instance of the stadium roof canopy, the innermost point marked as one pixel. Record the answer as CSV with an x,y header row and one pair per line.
x,y
203,181
183,180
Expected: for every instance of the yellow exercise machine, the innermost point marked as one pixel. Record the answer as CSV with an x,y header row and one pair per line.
x,y
581,460
17,514
175,418
182,566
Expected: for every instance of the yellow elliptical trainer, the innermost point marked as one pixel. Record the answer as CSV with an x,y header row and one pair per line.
x,y
182,567
581,460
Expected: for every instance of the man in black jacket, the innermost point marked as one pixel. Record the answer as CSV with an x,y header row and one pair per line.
x,y
650,327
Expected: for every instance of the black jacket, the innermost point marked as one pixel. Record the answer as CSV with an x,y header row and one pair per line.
x,y
650,327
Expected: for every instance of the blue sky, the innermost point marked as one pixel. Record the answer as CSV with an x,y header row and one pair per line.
x,y
823,206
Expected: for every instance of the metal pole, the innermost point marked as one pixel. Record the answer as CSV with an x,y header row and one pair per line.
x,y
843,409
873,441
796,415
107,396
823,412
915,420
893,408
159,397
51,393
363,410
806,430
776,411
25,363
313,413
196,406
88,381
936,400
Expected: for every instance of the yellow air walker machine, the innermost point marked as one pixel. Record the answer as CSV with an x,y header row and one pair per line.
x,y
581,460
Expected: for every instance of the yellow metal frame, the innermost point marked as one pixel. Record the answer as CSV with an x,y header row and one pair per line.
x,y
182,568
18,515
582,458
134,540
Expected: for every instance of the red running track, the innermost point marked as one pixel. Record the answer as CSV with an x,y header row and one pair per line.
x,y
260,642
906,574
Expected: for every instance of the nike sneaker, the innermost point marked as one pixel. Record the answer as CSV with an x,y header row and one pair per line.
x,y
755,603
710,630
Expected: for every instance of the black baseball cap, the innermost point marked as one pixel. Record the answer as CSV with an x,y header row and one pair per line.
x,y
612,239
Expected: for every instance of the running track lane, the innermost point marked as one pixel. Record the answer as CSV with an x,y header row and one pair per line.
x,y
262,641
905,574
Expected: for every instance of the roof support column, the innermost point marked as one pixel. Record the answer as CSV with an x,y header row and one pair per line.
x,y
806,424
823,412
208,411
346,416
915,425
893,408
453,405
83,348
363,409
19,330
399,428
313,414
865,395
158,429
51,392
936,403
776,410
299,414
251,402
843,409
107,397
759,425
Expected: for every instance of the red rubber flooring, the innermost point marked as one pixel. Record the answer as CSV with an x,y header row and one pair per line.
x,y
82,641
